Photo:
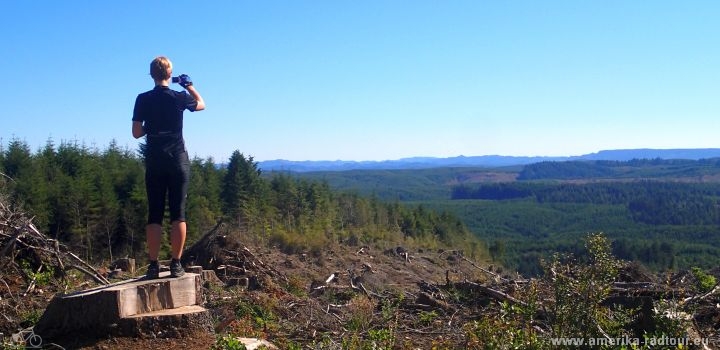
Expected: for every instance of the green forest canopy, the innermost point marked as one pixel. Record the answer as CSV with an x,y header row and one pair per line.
x,y
94,200
660,212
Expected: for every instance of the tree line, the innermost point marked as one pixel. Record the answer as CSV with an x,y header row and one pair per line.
x,y
650,202
635,168
94,200
662,224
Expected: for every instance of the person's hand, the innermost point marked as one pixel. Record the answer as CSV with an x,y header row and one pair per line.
x,y
185,81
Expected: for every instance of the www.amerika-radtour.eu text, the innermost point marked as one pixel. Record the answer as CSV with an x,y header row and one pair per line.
x,y
628,341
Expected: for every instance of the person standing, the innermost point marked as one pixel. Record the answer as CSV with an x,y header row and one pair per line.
x,y
158,115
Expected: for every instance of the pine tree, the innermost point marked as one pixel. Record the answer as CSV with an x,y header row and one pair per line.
x,y
27,187
203,206
242,190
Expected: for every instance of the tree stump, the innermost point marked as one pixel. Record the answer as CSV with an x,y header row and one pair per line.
x,y
130,308
125,264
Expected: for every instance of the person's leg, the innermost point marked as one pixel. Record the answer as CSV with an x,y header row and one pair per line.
x,y
177,196
156,190
177,238
153,235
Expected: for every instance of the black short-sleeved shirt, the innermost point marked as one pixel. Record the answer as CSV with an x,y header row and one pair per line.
x,y
161,112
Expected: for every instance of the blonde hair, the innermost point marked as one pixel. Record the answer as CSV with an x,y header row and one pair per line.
x,y
160,68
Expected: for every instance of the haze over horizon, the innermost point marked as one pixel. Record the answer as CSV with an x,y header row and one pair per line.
x,y
502,155
376,80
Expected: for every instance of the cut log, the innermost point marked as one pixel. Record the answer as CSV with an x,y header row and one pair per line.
x,y
96,311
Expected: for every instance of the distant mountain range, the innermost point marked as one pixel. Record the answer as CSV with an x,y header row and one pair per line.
x,y
489,161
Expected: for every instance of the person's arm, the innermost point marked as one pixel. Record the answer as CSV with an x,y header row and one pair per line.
x,y
196,95
137,130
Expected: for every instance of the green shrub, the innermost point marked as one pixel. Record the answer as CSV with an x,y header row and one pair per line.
x,y
427,317
573,291
42,277
381,338
579,289
703,281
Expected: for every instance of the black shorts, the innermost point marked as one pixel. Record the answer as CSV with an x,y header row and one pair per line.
x,y
166,176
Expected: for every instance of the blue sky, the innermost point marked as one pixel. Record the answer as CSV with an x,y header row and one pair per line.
x,y
371,80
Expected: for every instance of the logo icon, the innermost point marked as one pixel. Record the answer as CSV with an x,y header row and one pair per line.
x,y
32,340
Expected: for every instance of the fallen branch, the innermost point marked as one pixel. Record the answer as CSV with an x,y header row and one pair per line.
x,y
369,293
496,294
97,276
330,278
335,315
8,177
451,318
495,275
93,275
56,245
418,331
428,299
9,290
10,244
701,297
32,282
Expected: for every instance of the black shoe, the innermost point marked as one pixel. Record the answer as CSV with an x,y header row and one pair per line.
x,y
153,271
176,269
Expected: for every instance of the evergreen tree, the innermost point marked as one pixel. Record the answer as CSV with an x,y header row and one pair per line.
x,y
17,159
49,177
241,189
27,187
134,217
203,206
285,200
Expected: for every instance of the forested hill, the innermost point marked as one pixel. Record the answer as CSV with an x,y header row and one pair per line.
x,y
701,170
94,201
438,183
662,213
491,161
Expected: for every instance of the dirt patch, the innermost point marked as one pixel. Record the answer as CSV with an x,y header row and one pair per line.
x,y
190,341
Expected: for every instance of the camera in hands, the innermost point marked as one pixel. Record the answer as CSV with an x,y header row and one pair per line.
x,y
183,79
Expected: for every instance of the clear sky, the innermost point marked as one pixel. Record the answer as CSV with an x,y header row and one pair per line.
x,y
371,80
